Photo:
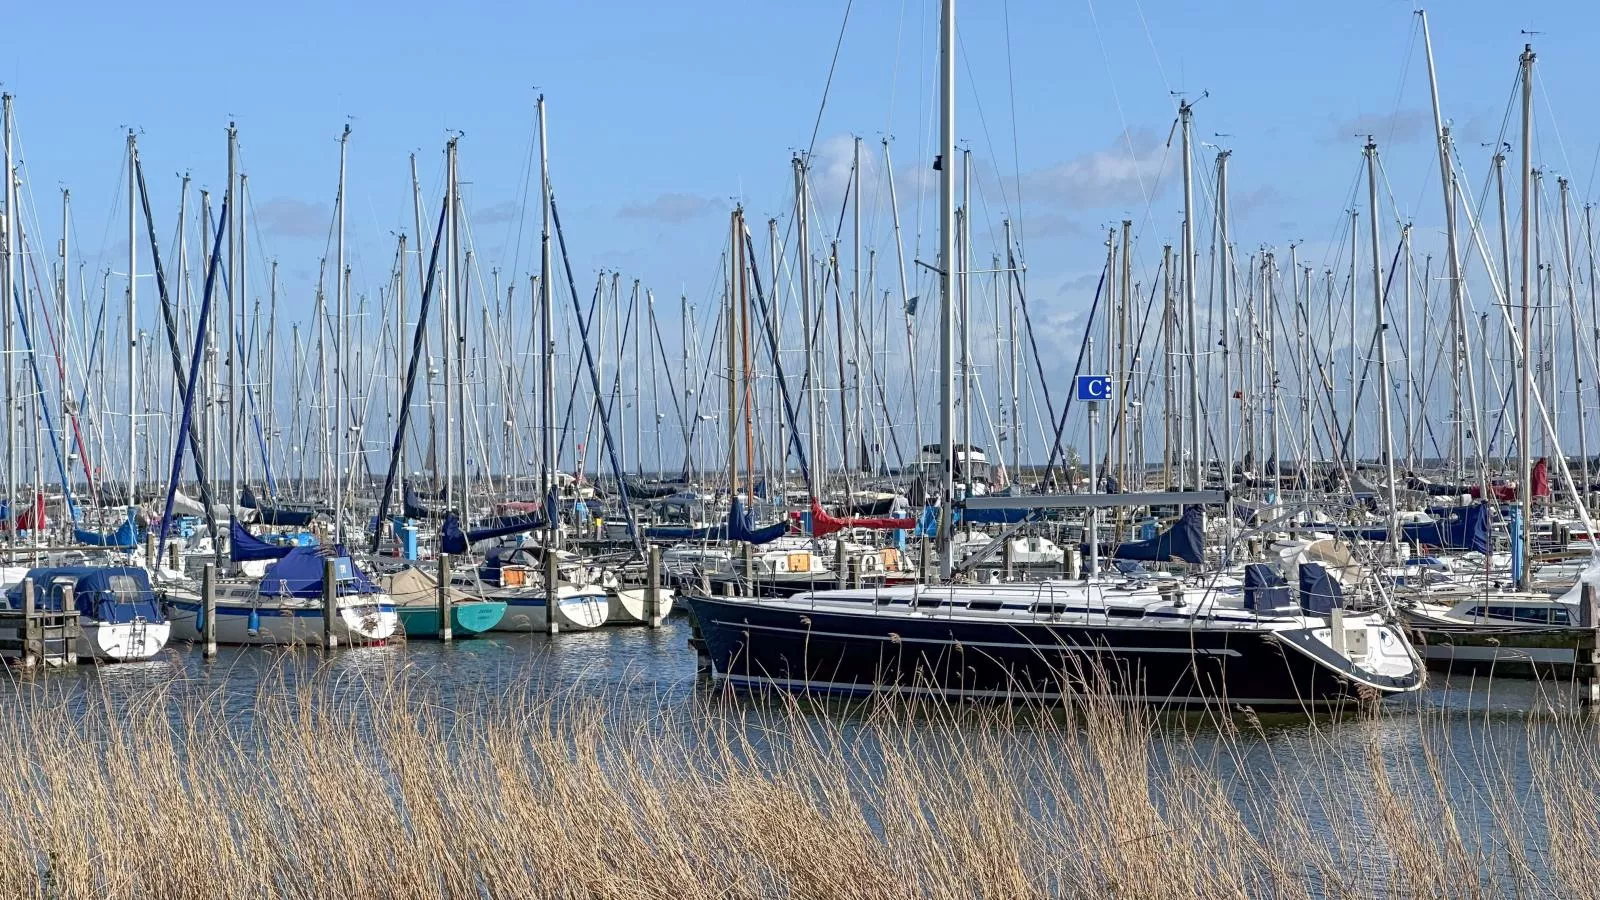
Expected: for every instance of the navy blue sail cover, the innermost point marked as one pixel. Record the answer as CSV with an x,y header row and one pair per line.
x,y
1265,591
1185,540
1320,592
299,574
1453,528
740,529
246,547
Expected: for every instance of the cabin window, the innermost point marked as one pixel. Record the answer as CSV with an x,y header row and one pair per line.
x,y
1049,608
126,587
985,604
1527,615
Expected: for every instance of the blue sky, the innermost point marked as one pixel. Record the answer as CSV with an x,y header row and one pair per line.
x,y
661,115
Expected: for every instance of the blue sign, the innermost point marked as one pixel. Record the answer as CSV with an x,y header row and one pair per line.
x,y
1094,387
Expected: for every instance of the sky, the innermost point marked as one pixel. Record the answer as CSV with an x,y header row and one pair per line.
x,y
662,116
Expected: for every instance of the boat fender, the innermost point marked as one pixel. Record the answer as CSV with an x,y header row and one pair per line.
x,y
253,626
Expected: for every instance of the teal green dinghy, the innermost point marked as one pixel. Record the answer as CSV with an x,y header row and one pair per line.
x,y
416,600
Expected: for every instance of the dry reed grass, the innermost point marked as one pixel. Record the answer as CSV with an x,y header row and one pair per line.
x,y
372,786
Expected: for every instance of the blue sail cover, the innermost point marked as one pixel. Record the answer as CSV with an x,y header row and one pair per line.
x,y
1320,592
1265,591
124,538
451,538
299,574
1453,528
246,547
1184,540
740,529
114,594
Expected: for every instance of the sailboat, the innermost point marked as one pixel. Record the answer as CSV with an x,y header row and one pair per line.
x,y
1197,639
119,618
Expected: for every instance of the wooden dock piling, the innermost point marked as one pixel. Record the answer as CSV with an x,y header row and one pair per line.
x,y
330,602
552,592
208,611
652,590
442,599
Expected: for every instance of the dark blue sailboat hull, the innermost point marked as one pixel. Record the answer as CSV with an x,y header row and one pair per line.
x,y
754,645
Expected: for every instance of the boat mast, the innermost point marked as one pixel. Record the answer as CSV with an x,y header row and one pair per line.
x,y
230,200
547,333
731,341
859,432
947,262
341,335
7,283
64,451
447,324
1186,118
1016,364
133,336
1524,374
1577,340
1453,259
964,231
802,200
905,302
1225,252
1386,441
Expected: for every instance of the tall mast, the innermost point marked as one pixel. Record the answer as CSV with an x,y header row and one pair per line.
x,y
547,332
808,330
1453,261
1016,367
964,255
947,262
61,318
7,283
731,340
1186,118
855,302
341,305
399,348
133,334
1577,340
905,300
447,325
231,441
1386,445
1225,255
1524,374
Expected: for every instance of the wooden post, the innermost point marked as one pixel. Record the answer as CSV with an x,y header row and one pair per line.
x,y
1072,559
330,602
442,599
852,568
924,560
32,636
208,611
174,557
652,590
69,627
1007,557
552,592
152,557
1586,655
838,560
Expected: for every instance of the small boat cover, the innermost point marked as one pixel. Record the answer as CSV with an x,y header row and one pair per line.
x,y
1184,540
299,574
246,547
114,594
823,524
124,538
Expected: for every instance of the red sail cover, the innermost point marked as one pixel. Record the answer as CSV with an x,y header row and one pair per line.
x,y
823,524
1505,493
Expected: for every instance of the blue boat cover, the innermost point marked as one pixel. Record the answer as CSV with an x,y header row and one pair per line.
x,y
125,538
1320,592
1265,591
299,574
740,529
453,540
1184,540
246,547
114,594
1453,528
